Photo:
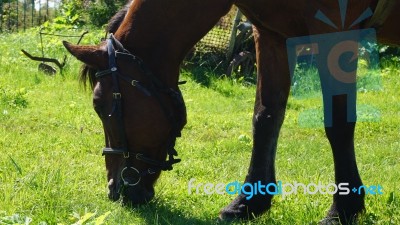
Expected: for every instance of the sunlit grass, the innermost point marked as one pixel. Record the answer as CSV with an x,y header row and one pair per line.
x,y
52,171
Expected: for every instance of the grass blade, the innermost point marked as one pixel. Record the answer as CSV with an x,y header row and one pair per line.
x,y
17,167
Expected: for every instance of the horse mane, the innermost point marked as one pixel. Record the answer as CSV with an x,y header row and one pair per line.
x,y
87,73
116,20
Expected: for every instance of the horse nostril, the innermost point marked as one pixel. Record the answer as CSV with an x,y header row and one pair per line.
x,y
113,195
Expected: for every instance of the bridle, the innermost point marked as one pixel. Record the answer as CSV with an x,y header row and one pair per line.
x,y
116,50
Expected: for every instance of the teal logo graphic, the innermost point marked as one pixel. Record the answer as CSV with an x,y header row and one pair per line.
x,y
280,188
336,56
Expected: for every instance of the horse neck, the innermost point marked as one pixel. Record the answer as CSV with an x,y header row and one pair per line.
x,y
155,31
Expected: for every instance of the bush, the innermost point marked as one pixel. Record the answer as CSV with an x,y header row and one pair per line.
x,y
99,14
74,14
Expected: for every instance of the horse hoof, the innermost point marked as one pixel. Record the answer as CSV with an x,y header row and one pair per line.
x,y
346,213
242,209
330,221
339,221
234,212
334,217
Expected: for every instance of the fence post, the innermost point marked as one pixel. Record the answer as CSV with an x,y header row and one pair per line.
x,y
24,15
32,10
232,40
47,10
9,16
17,15
40,13
1,15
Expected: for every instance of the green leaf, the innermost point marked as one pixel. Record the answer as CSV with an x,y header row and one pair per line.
x,y
84,218
100,219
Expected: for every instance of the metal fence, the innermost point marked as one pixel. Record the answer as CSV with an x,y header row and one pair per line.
x,y
217,48
220,36
18,15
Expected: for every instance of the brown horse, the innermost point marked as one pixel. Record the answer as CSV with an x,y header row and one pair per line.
x,y
138,71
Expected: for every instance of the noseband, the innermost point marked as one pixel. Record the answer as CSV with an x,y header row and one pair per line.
x,y
116,50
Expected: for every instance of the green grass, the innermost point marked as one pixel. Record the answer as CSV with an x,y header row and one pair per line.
x,y
52,171
306,85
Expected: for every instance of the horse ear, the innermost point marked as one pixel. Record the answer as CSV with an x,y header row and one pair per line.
x,y
93,56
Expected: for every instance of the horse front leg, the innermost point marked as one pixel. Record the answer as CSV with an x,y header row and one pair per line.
x,y
273,86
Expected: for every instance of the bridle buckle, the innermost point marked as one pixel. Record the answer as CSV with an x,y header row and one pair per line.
x,y
117,95
126,155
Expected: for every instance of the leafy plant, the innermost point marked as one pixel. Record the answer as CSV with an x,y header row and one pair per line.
x,y
15,219
69,17
101,12
13,99
77,219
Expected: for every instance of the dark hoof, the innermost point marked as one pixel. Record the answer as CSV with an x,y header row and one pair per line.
x,y
346,216
330,221
352,220
242,209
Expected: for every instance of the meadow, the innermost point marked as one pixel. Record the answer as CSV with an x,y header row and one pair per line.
x,y
52,171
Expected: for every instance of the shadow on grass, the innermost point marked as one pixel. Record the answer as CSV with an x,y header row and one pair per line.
x,y
200,75
158,212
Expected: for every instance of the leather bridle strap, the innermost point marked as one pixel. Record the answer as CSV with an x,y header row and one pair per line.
x,y
116,104
148,91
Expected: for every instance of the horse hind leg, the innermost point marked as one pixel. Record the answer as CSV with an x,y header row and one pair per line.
x,y
345,208
272,93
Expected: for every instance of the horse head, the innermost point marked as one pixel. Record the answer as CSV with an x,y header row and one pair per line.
x,y
134,76
141,116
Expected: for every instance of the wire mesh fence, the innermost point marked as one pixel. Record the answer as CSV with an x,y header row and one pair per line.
x,y
218,39
226,48
18,15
